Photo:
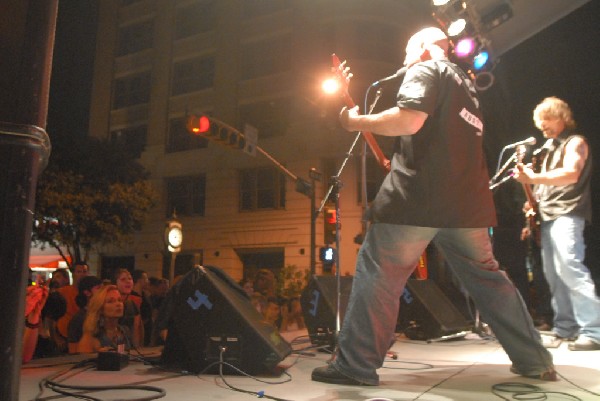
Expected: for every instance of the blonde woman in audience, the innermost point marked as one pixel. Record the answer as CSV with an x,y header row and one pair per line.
x,y
101,328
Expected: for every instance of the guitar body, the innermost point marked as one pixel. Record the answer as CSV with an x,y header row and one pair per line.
x,y
533,225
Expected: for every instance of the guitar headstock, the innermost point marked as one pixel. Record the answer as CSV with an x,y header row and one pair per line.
x,y
342,74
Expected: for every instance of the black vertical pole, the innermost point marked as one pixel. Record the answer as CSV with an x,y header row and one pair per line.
x,y
26,53
313,228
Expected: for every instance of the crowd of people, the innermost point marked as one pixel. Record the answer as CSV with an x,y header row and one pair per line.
x,y
91,314
283,313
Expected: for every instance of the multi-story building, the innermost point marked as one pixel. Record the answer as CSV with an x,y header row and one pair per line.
x,y
257,62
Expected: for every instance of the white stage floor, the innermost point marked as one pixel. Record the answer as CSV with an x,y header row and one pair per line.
x,y
462,370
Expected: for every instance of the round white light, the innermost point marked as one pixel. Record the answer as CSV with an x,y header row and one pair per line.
x,y
457,27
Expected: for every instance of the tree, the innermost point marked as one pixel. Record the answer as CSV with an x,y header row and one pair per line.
x,y
93,192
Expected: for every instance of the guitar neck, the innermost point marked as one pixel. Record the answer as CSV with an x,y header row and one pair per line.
x,y
529,196
383,161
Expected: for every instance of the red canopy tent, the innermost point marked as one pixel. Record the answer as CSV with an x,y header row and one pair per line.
x,y
47,257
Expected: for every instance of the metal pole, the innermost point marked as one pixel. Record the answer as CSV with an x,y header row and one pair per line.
x,y
313,229
26,54
172,268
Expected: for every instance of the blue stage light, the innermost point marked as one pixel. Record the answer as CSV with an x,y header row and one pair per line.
x,y
480,60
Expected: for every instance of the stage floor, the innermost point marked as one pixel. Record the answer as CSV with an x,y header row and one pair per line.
x,y
470,368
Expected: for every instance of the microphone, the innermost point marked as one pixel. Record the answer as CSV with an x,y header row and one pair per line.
x,y
399,74
529,141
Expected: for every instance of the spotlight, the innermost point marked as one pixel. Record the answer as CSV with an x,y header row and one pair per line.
x,y
480,60
330,86
456,27
440,2
465,47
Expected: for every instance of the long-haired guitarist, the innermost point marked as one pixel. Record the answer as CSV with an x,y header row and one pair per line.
x,y
565,205
437,190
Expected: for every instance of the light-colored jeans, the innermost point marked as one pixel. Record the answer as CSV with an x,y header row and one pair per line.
x,y
574,300
386,259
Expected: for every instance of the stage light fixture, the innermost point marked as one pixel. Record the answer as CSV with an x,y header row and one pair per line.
x,y
465,47
484,80
480,60
440,2
457,27
330,86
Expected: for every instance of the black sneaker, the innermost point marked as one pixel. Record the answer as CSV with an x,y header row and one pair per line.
x,y
329,374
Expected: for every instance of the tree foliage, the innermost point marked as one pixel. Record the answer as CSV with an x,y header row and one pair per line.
x,y
291,281
92,193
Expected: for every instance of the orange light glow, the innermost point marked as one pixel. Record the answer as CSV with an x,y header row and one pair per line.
x,y
330,86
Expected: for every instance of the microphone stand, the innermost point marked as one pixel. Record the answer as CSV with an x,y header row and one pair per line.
x,y
337,185
492,183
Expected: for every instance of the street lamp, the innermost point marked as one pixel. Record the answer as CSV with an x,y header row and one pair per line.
x,y
173,240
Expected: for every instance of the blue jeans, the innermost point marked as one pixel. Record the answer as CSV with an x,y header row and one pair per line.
x,y
576,306
386,259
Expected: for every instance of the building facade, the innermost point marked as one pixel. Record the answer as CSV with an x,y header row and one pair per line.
x,y
245,62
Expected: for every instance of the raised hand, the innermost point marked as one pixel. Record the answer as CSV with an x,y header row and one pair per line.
x,y
35,299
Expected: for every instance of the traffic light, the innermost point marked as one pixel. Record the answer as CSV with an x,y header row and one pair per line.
x,y
327,255
216,130
330,223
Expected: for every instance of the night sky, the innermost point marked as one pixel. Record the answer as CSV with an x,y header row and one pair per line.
x,y
563,60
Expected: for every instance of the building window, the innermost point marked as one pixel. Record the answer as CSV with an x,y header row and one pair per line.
x,y
186,196
257,259
271,117
196,18
375,176
132,90
255,8
262,188
180,138
193,75
266,57
136,37
133,139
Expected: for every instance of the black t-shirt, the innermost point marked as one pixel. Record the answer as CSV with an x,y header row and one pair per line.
x,y
439,176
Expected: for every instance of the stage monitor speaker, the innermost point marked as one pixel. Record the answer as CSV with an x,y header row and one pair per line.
x,y
212,320
426,313
319,307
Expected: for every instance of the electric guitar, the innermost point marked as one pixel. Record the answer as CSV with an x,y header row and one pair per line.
x,y
531,216
343,75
